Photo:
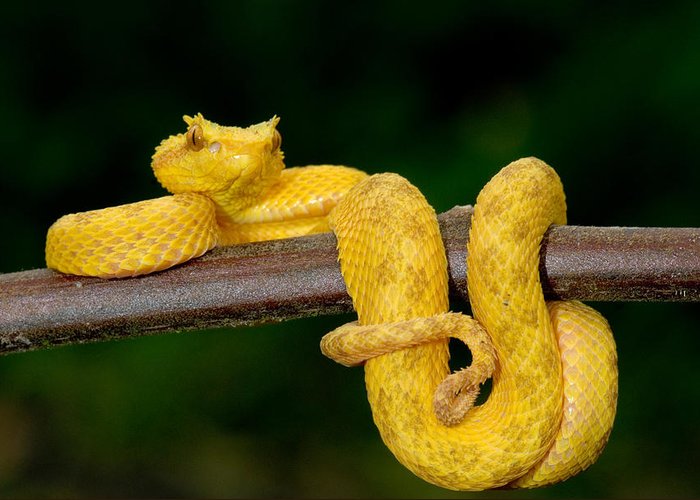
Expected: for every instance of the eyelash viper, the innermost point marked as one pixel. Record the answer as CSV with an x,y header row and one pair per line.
x,y
553,365
228,185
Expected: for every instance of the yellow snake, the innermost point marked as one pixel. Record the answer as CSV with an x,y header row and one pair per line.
x,y
553,366
229,186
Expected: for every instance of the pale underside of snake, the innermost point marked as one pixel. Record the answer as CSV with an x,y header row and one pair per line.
x,y
553,365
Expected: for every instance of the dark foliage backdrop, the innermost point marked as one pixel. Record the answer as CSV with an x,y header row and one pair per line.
x,y
444,93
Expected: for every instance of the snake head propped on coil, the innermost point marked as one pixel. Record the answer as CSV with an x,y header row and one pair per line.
x,y
230,162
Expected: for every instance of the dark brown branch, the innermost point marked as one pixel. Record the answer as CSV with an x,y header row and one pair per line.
x,y
279,280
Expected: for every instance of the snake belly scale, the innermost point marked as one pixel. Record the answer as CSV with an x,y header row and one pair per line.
x,y
553,365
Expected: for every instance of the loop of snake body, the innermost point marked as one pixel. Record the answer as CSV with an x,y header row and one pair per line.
x,y
553,365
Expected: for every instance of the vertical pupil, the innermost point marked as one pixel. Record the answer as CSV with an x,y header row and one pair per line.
x,y
195,136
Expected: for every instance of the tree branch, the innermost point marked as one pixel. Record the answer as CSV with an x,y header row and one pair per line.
x,y
285,279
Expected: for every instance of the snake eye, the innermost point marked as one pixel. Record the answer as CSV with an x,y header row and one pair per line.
x,y
276,141
195,138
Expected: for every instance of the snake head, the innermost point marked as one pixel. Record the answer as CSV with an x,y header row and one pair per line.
x,y
238,163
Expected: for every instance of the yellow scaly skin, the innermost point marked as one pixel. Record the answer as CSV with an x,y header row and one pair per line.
x,y
229,186
554,370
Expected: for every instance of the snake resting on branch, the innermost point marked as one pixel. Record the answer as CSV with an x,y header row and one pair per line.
x,y
553,365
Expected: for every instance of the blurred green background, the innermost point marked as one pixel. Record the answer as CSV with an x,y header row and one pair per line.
x,y
444,93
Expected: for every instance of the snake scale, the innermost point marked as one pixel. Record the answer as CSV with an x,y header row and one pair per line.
x,y
553,365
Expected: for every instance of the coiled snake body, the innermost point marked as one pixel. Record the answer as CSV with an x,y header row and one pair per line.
x,y
554,370
553,366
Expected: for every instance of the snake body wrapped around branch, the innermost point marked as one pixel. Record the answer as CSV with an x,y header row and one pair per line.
x,y
553,366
